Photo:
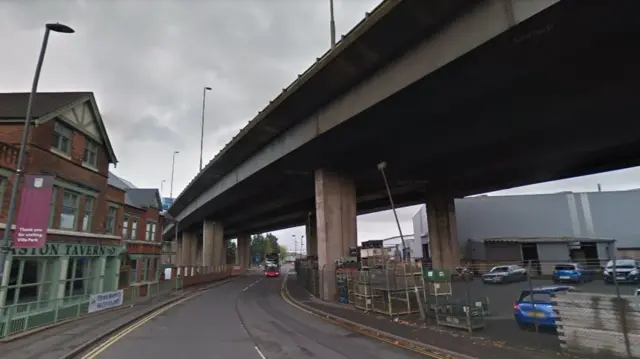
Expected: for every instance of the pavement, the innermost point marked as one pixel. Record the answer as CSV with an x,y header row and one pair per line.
x,y
55,342
245,319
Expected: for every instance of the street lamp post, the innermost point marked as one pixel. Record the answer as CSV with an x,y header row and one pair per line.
x,y
162,186
5,247
204,96
332,25
381,167
173,169
302,246
295,245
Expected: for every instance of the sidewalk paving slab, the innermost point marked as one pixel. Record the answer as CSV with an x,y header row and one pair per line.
x,y
57,341
447,340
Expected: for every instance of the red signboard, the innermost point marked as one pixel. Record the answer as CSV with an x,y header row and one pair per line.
x,y
33,216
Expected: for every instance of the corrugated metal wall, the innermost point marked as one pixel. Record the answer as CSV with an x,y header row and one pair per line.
x,y
589,215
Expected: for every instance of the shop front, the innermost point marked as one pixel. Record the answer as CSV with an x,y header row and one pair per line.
x,y
52,283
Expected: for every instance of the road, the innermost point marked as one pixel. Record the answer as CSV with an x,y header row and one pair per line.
x,y
245,319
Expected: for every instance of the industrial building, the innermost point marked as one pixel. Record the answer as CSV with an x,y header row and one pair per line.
x,y
545,227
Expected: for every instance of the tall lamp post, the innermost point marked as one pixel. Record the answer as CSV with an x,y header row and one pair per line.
x,y
332,25
5,246
381,167
173,170
204,96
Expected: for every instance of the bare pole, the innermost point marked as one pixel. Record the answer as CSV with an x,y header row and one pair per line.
x,y
381,168
332,25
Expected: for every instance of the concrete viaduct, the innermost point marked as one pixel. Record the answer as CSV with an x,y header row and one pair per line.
x,y
459,97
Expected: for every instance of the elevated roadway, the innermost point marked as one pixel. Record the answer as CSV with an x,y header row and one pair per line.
x,y
462,97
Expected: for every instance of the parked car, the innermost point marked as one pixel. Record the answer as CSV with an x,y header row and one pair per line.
x,y
626,271
535,308
571,272
505,274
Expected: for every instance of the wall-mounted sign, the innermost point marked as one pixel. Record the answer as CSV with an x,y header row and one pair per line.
x,y
63,250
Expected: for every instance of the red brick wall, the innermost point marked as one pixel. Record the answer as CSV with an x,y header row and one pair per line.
x,y
41,159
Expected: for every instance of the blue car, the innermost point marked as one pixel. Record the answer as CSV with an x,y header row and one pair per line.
x,y
570,272
534,308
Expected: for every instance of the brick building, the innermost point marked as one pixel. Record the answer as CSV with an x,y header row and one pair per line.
x,y
141,230
83,252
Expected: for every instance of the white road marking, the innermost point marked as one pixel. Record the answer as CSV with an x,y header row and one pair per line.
x,y
259,352
252,284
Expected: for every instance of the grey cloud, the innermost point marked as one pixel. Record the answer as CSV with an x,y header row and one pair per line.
x,y
148,60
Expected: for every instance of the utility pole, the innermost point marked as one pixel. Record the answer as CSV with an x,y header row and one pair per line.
x,y
332,25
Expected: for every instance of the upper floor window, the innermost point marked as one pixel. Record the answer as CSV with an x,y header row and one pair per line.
x,y
89,203
125,227
110,225
62,138
90,153
151,231
134,229
69,210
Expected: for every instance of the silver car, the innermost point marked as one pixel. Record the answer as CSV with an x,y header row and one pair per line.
x,y
505,274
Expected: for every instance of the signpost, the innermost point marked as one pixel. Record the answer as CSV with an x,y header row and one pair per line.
x,y
33,216
166,203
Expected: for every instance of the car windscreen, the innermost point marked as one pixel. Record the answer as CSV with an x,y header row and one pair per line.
x,y
565,267
622,264
499,269
537,297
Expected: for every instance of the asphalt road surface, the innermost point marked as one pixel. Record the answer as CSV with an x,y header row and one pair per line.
x,y
245,319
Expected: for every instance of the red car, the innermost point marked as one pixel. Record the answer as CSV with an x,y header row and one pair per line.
x,y
272,272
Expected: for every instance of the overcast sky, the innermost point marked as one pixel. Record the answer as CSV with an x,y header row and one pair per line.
x,y
148,61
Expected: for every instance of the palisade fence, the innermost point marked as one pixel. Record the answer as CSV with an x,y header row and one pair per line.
x,y
593,319
22,317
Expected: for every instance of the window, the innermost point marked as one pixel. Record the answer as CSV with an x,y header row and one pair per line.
x,y
81,275
125,227
3,188
69,210
89,202
31,281
110,225
134,271
134,229
62,138
90,153
52,207
151,231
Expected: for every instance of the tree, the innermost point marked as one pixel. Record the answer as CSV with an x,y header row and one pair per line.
x,y
231,252
263,244
283,251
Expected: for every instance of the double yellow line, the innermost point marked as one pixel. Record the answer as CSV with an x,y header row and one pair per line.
x,y
113,339
284,292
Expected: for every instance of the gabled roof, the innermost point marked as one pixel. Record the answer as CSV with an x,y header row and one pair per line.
x,y
118,182
48,105
136,197
144,197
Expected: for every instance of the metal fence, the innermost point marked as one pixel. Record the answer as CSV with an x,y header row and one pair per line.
x,y
531,305
27,316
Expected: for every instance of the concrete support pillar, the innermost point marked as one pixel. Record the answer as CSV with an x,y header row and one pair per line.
x,y
208,240
311,234
187,243
336,225
178,257
243,254
194,250
216,239
443,232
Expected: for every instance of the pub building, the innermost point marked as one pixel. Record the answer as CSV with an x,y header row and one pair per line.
x,y
83,248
